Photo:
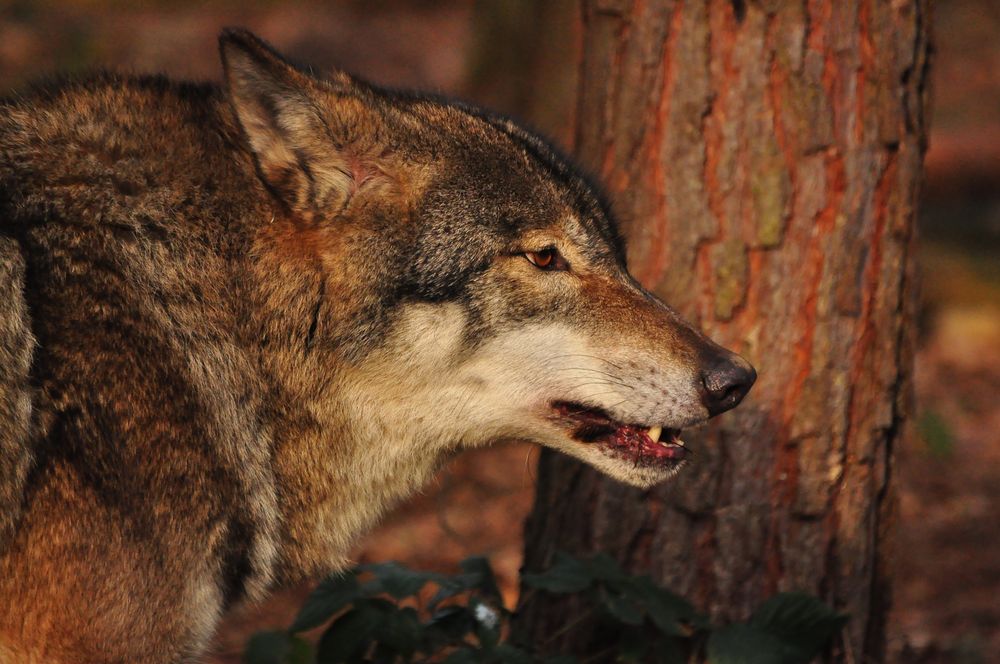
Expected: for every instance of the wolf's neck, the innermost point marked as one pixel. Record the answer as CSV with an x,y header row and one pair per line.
x,y
352,438
338,473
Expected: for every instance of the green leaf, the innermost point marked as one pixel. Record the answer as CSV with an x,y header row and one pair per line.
x,y
277,647
508,654
349,636
448,588
400,631
302,652
567,575
605,568
789,628
621,607
799,620
479,576
329,597
463,656
395,580
667,651
267,648
450,624
672,614
631,646
743,644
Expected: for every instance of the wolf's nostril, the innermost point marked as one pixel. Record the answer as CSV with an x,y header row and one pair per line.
x,y
726,383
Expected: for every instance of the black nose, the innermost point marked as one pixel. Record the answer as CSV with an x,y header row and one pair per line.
x,y
725,383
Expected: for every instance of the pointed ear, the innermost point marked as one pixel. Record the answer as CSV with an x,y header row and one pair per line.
x,y
281,111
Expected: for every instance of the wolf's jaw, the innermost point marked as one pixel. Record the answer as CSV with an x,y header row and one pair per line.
x,y
639,444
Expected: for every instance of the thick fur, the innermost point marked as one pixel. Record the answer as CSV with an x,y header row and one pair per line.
x,y
238,324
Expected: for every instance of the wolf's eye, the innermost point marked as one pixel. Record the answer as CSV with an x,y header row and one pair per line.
x,y
547,259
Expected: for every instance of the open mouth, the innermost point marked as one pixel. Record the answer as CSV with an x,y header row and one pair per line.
x,y
640,444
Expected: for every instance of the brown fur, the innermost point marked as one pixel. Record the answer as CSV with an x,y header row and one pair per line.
x,y
237,326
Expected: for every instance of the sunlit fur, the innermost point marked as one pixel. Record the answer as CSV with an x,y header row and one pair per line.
x,y
238,324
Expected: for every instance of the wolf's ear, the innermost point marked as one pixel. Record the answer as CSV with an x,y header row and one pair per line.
x,y
281,111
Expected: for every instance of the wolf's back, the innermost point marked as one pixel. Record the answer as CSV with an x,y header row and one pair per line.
x,y
16,344
101,192
15,394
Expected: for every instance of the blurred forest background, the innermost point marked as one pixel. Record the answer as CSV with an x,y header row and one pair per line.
x,y
947,562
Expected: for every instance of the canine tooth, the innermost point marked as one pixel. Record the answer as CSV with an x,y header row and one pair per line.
x,y
654,433
678,441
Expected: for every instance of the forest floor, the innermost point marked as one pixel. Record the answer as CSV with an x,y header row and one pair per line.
x,y
947,565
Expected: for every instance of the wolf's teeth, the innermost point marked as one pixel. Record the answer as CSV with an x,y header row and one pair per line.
x,y
654,433
678,441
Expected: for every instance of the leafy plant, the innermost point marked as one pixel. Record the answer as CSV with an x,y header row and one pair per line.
x,y
789,628
389,613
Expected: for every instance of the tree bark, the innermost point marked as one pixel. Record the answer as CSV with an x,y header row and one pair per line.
x,y
764,161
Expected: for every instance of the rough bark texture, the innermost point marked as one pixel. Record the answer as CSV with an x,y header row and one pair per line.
x,y
764,159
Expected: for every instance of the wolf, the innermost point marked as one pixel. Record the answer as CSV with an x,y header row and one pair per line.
x,y
239,323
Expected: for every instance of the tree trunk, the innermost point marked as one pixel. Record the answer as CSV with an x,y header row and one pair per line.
x,y
763,159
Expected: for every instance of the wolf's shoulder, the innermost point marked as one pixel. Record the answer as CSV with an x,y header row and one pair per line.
x,y
116,147
112,120
109,89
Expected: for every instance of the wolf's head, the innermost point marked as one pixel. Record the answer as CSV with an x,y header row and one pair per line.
x,y
472,286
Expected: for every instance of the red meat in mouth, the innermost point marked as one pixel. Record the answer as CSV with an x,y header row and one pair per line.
x,y
647,445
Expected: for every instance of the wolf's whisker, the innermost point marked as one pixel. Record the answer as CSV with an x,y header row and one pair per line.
x,y
600,394
592,357
628,388
617,404
585,369
597,371
593,382
610,380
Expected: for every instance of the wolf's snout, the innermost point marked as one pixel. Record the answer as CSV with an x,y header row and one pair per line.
x,y
725,382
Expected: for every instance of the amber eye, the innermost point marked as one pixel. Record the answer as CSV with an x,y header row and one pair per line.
x,y
547,259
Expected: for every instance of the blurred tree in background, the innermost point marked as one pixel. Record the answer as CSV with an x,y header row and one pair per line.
x,y
764,160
